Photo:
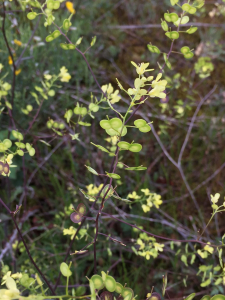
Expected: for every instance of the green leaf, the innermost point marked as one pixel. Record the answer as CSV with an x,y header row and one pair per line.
x,y
56,34
79,41
116,123
135,147
206,283
190,9
20,145
140,168
184,20
42,141
91,170
101,148
92,288
192,30
75,136
8,104
122,199
87,196
105,124
218,297
173,2
93,41
206,297
220,251
113,175
64,268
31,15
98,282
51,4
185,50
172,17
164,284
110,191
145,128
167,61
127,293
117,132
49,38
84,123
68,46
140,123
110,283
94,107
153,49
7,143
32,152
20,152
218,281
173,35
66,24
189,55
184,259
124,145
164,26
190,297
57,132
200,3
68,115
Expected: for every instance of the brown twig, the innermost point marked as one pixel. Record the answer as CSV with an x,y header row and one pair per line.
x,y
25,245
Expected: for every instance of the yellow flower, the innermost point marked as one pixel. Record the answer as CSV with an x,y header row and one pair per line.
x,y
69,6
18,43
203,254
146,192
9,294
141,244
133,196
208,248
112,95
215,198
141,68
47,76
17,72
145,208
65,76
157,200
5,277
158,247
10,60
9,159
17,275
71,231
149,202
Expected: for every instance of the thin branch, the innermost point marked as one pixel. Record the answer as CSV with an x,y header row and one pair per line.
x,y
25,245
158,236
11,55
192,124
19,60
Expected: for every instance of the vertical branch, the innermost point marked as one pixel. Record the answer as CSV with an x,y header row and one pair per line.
x,y
10,54
25,245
